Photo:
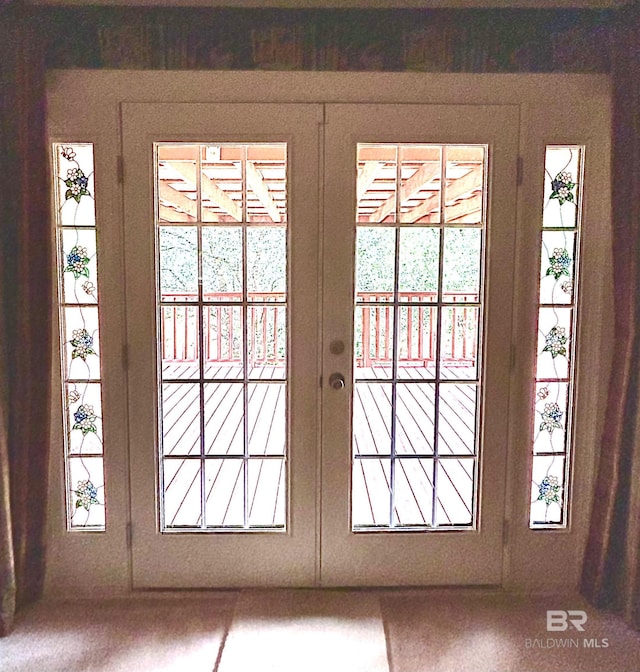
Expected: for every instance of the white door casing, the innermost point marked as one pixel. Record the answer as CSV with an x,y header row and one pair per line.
x,y
574,110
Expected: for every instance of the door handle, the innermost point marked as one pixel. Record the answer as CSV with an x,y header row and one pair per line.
x,y
336,381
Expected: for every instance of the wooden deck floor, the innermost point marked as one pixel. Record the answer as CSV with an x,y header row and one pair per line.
x,y
230,484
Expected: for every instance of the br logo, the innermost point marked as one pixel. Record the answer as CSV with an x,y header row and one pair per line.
x,y
559,620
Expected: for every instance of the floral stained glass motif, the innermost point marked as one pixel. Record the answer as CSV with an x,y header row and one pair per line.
x,y
82,343
555,342
549,490
553,384
562,188
551,417
87,494
79,321
559,263
85,419
77,261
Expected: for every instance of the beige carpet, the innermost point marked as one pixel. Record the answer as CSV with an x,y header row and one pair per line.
x,y
172,635
308,631
482,631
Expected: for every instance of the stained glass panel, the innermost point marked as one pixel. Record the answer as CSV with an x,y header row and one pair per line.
x,y
75,222
552,418
80,258
86,493
553,385
562,185
554,342
84,409
75,185
556,272
548,495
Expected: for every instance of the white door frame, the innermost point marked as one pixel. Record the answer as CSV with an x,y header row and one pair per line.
x,y
84,106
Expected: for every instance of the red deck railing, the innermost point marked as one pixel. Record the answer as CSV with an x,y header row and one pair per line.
x,y
222,328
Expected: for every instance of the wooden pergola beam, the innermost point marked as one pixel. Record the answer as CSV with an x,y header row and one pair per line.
x,y
469,182
260,189
452,191
167,214
209,189
184,203
366,176
464,208
422,176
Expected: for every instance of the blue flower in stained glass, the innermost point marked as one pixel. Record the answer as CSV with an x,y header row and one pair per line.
x,y
562,187
555,342
77,261
551,417
87,494
82,343
549,490
559,263
85,418
76,183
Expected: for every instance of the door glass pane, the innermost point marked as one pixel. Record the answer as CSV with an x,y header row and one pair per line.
x,y
418,310
222,309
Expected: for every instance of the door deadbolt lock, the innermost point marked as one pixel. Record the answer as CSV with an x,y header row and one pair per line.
x,y
336,381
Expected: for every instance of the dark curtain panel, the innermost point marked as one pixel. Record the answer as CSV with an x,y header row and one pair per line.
x,y
26,327
611,573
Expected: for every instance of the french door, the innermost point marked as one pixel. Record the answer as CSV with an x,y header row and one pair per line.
x,y
318,309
